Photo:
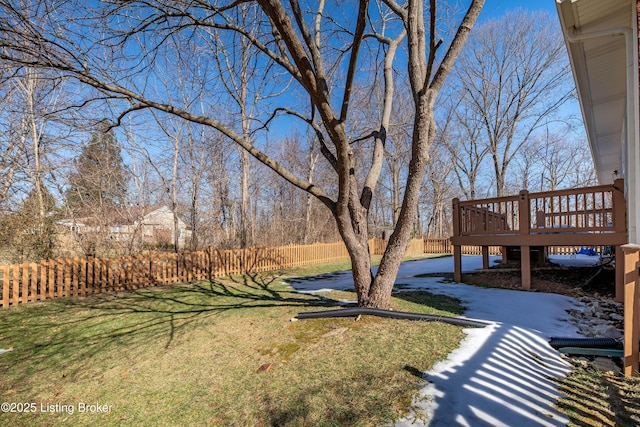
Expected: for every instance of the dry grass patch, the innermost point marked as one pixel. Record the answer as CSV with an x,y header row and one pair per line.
x,y
190,355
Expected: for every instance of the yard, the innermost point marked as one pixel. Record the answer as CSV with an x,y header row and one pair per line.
x,y
227,353
215,353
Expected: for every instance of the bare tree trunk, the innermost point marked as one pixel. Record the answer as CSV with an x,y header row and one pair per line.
x,y
290,41
307,220
424,132
245,208
395,177
174,193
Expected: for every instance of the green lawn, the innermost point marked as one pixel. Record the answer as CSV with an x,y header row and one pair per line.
x,y
190,354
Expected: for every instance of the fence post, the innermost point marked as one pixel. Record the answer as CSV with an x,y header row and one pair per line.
x,y
32,273
69,274
91,274
41,281
14,277
153,268
5,285
77,278
51,278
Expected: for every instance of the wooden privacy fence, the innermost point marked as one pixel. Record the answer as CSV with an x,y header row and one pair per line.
x,y
82,276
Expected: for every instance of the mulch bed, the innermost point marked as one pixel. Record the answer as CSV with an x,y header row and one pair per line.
x,y
571,281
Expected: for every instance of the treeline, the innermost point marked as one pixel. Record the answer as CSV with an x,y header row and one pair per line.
x,y
504,124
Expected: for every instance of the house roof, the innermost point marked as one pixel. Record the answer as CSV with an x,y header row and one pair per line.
x,y
114,216
597,52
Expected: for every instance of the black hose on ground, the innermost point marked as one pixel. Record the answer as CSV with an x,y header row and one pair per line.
x,y
557,343
355,311
593,278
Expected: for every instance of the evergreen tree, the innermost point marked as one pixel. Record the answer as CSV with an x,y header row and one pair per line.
x,y
101,177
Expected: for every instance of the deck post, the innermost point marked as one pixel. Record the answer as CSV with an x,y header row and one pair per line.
x,y
457,263
620,272
485,257
631,309
457,249
525,267
524,224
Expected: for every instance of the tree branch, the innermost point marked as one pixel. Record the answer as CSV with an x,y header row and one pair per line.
x,y
324,149
456,45
353,60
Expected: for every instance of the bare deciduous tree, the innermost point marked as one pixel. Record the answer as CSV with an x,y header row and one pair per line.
x,y
438,193
461,135
318,48
513,76
28,111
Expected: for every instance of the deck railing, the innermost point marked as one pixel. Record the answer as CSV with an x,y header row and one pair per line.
x,y
594,216
544,218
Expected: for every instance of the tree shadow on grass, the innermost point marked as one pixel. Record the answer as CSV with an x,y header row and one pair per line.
x,y
68,331
331,403
431,301
592,398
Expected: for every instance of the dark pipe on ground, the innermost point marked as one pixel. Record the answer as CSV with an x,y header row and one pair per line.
x,y
557,343
593,279
353,312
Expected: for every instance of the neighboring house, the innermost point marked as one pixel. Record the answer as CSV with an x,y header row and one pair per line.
x,y
151,225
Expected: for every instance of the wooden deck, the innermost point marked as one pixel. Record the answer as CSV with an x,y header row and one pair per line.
x,y
589,216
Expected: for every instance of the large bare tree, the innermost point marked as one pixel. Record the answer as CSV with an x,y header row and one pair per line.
x,y
113,47
29,137
513,78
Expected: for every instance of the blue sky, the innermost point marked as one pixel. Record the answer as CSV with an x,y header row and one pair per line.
x,y
494,8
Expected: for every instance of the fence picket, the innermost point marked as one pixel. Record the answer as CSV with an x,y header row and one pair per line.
x,y
24,283
81,276
14,280
31,277
5,285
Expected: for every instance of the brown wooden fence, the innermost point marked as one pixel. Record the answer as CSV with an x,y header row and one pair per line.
x,y
82,276
444,246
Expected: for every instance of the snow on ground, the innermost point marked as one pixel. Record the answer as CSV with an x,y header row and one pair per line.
x,y
500,374
578,260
